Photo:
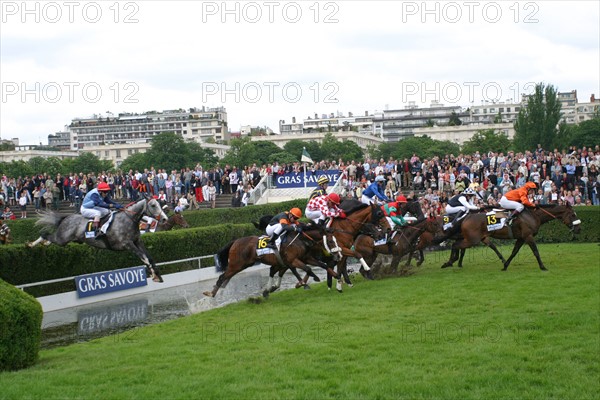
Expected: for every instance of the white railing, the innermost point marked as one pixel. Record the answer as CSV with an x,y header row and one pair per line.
x,y
260,189
199,259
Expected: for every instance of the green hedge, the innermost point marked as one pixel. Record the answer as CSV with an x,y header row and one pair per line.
x,y
20,264
20,328
23,230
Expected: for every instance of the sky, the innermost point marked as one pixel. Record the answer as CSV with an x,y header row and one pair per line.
x,y
267,61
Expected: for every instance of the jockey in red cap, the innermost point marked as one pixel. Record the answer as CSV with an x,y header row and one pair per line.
x,y
324,206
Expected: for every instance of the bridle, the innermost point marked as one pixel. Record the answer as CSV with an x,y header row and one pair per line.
x,y
572,224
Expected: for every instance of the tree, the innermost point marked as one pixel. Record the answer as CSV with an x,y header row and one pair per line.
x,y
586,133
137,161
454,120
295,146
423,146
89,162
282,157
169,151
241,153
16,168
487,140
538,122
264,150
198,154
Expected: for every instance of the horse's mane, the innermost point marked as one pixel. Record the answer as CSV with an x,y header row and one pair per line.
x,y
350,205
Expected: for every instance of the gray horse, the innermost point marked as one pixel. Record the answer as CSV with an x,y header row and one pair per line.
x,y
123,233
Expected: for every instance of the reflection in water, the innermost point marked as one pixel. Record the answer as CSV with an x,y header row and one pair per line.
x,y
121,316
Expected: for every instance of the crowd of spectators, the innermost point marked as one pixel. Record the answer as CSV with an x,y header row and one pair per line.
x,y
562,176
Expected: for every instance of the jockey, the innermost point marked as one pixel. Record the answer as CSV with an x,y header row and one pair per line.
x,y
324,206
461,204
284,221
320,190
97,204
374,189
392,212
517,200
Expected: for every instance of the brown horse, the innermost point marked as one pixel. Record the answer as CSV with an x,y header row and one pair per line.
x,y
242,253
473,230
345,230
403,242
174,220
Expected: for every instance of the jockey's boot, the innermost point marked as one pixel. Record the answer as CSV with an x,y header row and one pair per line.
x,y
272,241
457,218
511,216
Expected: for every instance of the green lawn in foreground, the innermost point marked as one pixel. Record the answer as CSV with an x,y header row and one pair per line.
x,y
474,332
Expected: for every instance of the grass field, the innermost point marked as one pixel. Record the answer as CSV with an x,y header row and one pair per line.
x,y
474,332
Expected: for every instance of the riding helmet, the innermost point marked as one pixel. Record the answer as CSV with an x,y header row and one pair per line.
x,y
401,199
334,198
103,187
323,180
296,212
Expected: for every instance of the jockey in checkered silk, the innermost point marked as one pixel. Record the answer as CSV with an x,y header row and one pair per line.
x,y
461,204
284,221
392,212
320,190
324,206
517,199
374,189
97,204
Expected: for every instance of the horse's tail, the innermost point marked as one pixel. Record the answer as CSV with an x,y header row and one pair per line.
x,y
49,221
222,257
263,222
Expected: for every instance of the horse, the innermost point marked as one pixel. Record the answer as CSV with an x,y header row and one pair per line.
x,y
321,257
525,226
174,220
123,234
5,237
346,229
398,244
244,252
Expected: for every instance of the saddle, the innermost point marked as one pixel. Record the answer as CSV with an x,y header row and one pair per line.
x,y
90,230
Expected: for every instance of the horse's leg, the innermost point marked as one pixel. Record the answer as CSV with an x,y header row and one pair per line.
x,y
518,244
140,250
421,258
222,281
269,284
460,258
36,242
488,242
453,255
531,242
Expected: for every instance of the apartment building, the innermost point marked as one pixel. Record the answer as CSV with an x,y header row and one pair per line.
x,y
202,125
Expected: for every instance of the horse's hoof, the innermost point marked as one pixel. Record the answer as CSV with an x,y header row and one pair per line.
x,y
544,269
298,285
317,279
445,266
157,279
306,287
265,294
208,294
273,288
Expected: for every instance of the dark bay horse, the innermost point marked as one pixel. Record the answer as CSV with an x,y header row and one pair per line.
x,y
403,242
166,225
321,257
345,230
242,253
123,234
526,225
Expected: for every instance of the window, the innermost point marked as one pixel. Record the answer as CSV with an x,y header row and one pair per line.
x,y
118,153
